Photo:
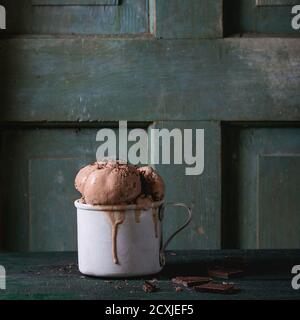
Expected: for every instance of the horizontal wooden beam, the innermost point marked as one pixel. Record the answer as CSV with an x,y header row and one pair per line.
x,y
271,3
94,79
75,2
74,17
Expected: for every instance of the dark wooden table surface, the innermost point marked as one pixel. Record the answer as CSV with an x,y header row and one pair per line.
x,y
56,276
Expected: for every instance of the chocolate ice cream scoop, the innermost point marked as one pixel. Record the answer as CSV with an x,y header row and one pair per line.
x,y
82,176
152,183
111,183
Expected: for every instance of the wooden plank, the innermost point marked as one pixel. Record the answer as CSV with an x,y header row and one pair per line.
x,y
129,18
89,79
29,276
189,19
202,193
272,3
52,219
75,2
278,200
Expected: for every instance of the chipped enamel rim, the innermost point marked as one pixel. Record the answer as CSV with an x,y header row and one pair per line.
x,y
83,206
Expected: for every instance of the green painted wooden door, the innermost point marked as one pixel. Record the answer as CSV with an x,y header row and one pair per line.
x,y
71,67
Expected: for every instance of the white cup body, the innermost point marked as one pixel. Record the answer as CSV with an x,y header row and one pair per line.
x,y
138,242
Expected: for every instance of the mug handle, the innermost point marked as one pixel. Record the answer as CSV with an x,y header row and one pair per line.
x,y
161,216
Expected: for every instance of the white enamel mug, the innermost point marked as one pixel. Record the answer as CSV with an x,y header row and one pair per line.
x,y
122,241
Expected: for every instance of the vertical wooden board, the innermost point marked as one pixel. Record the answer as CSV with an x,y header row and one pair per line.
x,y
152,16
202,192
52,220
130,17
279,201
189,19
14,193
250,210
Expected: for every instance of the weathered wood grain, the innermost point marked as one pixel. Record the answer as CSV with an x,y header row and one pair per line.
x,y
49,276
189,19
261,166
128,18
88,79
202,193
278,180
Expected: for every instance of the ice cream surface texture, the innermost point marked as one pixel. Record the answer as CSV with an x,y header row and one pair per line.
x,y
109,183
152,183
115,183
82,176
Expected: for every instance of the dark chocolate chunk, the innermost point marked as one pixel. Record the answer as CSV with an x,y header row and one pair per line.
x,y
225,273
191,281
224,288
149,287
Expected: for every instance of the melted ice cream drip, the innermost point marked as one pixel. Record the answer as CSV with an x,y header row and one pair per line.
x,y
116,219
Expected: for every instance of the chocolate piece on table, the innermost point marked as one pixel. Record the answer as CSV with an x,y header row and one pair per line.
x,y
224,288
191,281
224,273
149,287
